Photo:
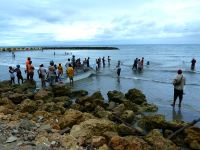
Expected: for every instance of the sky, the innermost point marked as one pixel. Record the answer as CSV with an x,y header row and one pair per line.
x,y
99,22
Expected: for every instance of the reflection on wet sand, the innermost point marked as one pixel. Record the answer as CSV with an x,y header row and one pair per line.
x,y
177,115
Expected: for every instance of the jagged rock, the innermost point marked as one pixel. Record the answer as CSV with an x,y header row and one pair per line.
x,y
158,142
124,130
97,95
135,96
5,110
16,98
128,116
44,95
92,127
11,139
26,124
145,107
111,105
128,143
61,99
104,147
6,101
5,86
28,106
26,86
61,90
130,105
115,96
98,141
193,137
152,122
79,93
53,107
102,113
119,110
72,117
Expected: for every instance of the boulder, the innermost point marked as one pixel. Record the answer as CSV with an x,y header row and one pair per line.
x,y
145,107
53,107
44,95
97,95
119,110
115,96
124,130
158,142
92,127
79,93
98,141
152,122
27,85
28,106
73,117
128,116
61,99
128,143
130,105
5,86
6,101
5,110
16,98
193,137
135,96
61,90
104,147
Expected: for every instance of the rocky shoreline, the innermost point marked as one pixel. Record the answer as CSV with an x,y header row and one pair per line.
x,y
59,117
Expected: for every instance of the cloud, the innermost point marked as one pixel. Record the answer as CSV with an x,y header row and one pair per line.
x,y
59,21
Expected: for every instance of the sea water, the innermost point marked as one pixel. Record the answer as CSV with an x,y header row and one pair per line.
x,y
155,80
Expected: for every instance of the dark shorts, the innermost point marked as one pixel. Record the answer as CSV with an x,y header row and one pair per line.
x,y
178,93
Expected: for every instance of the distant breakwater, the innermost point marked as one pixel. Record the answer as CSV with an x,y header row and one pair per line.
x,y
58,48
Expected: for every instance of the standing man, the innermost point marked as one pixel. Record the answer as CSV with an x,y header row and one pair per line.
x,y
193,62
70,74
178,83
26,71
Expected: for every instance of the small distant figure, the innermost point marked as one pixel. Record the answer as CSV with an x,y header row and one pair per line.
x,y
139,65
60,71
67,63
109,60
73,61
51,73
31,70
42,75
26,71
178,83
193,62
103,60
12,75
13,54
148,63
19,74
88,62
54,53
70,74
118,69
142,62
65,53
135,64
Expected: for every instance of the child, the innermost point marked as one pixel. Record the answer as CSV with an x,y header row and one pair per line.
x,y
12,75
19,74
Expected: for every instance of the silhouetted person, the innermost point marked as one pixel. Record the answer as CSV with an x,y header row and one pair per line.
x,y
193,62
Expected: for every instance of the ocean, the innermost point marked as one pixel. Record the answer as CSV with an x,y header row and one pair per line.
x,y
155,80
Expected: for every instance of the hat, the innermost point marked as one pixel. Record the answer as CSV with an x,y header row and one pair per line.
x,y
179,71
18,66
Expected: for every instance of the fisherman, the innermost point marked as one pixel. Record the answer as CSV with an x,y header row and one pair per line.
x,y
135,64
60,71
19,74
109,60
118,69
178,83
70,73
26,71
12,75
42,75
51,73
103,60
193,62
30,70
